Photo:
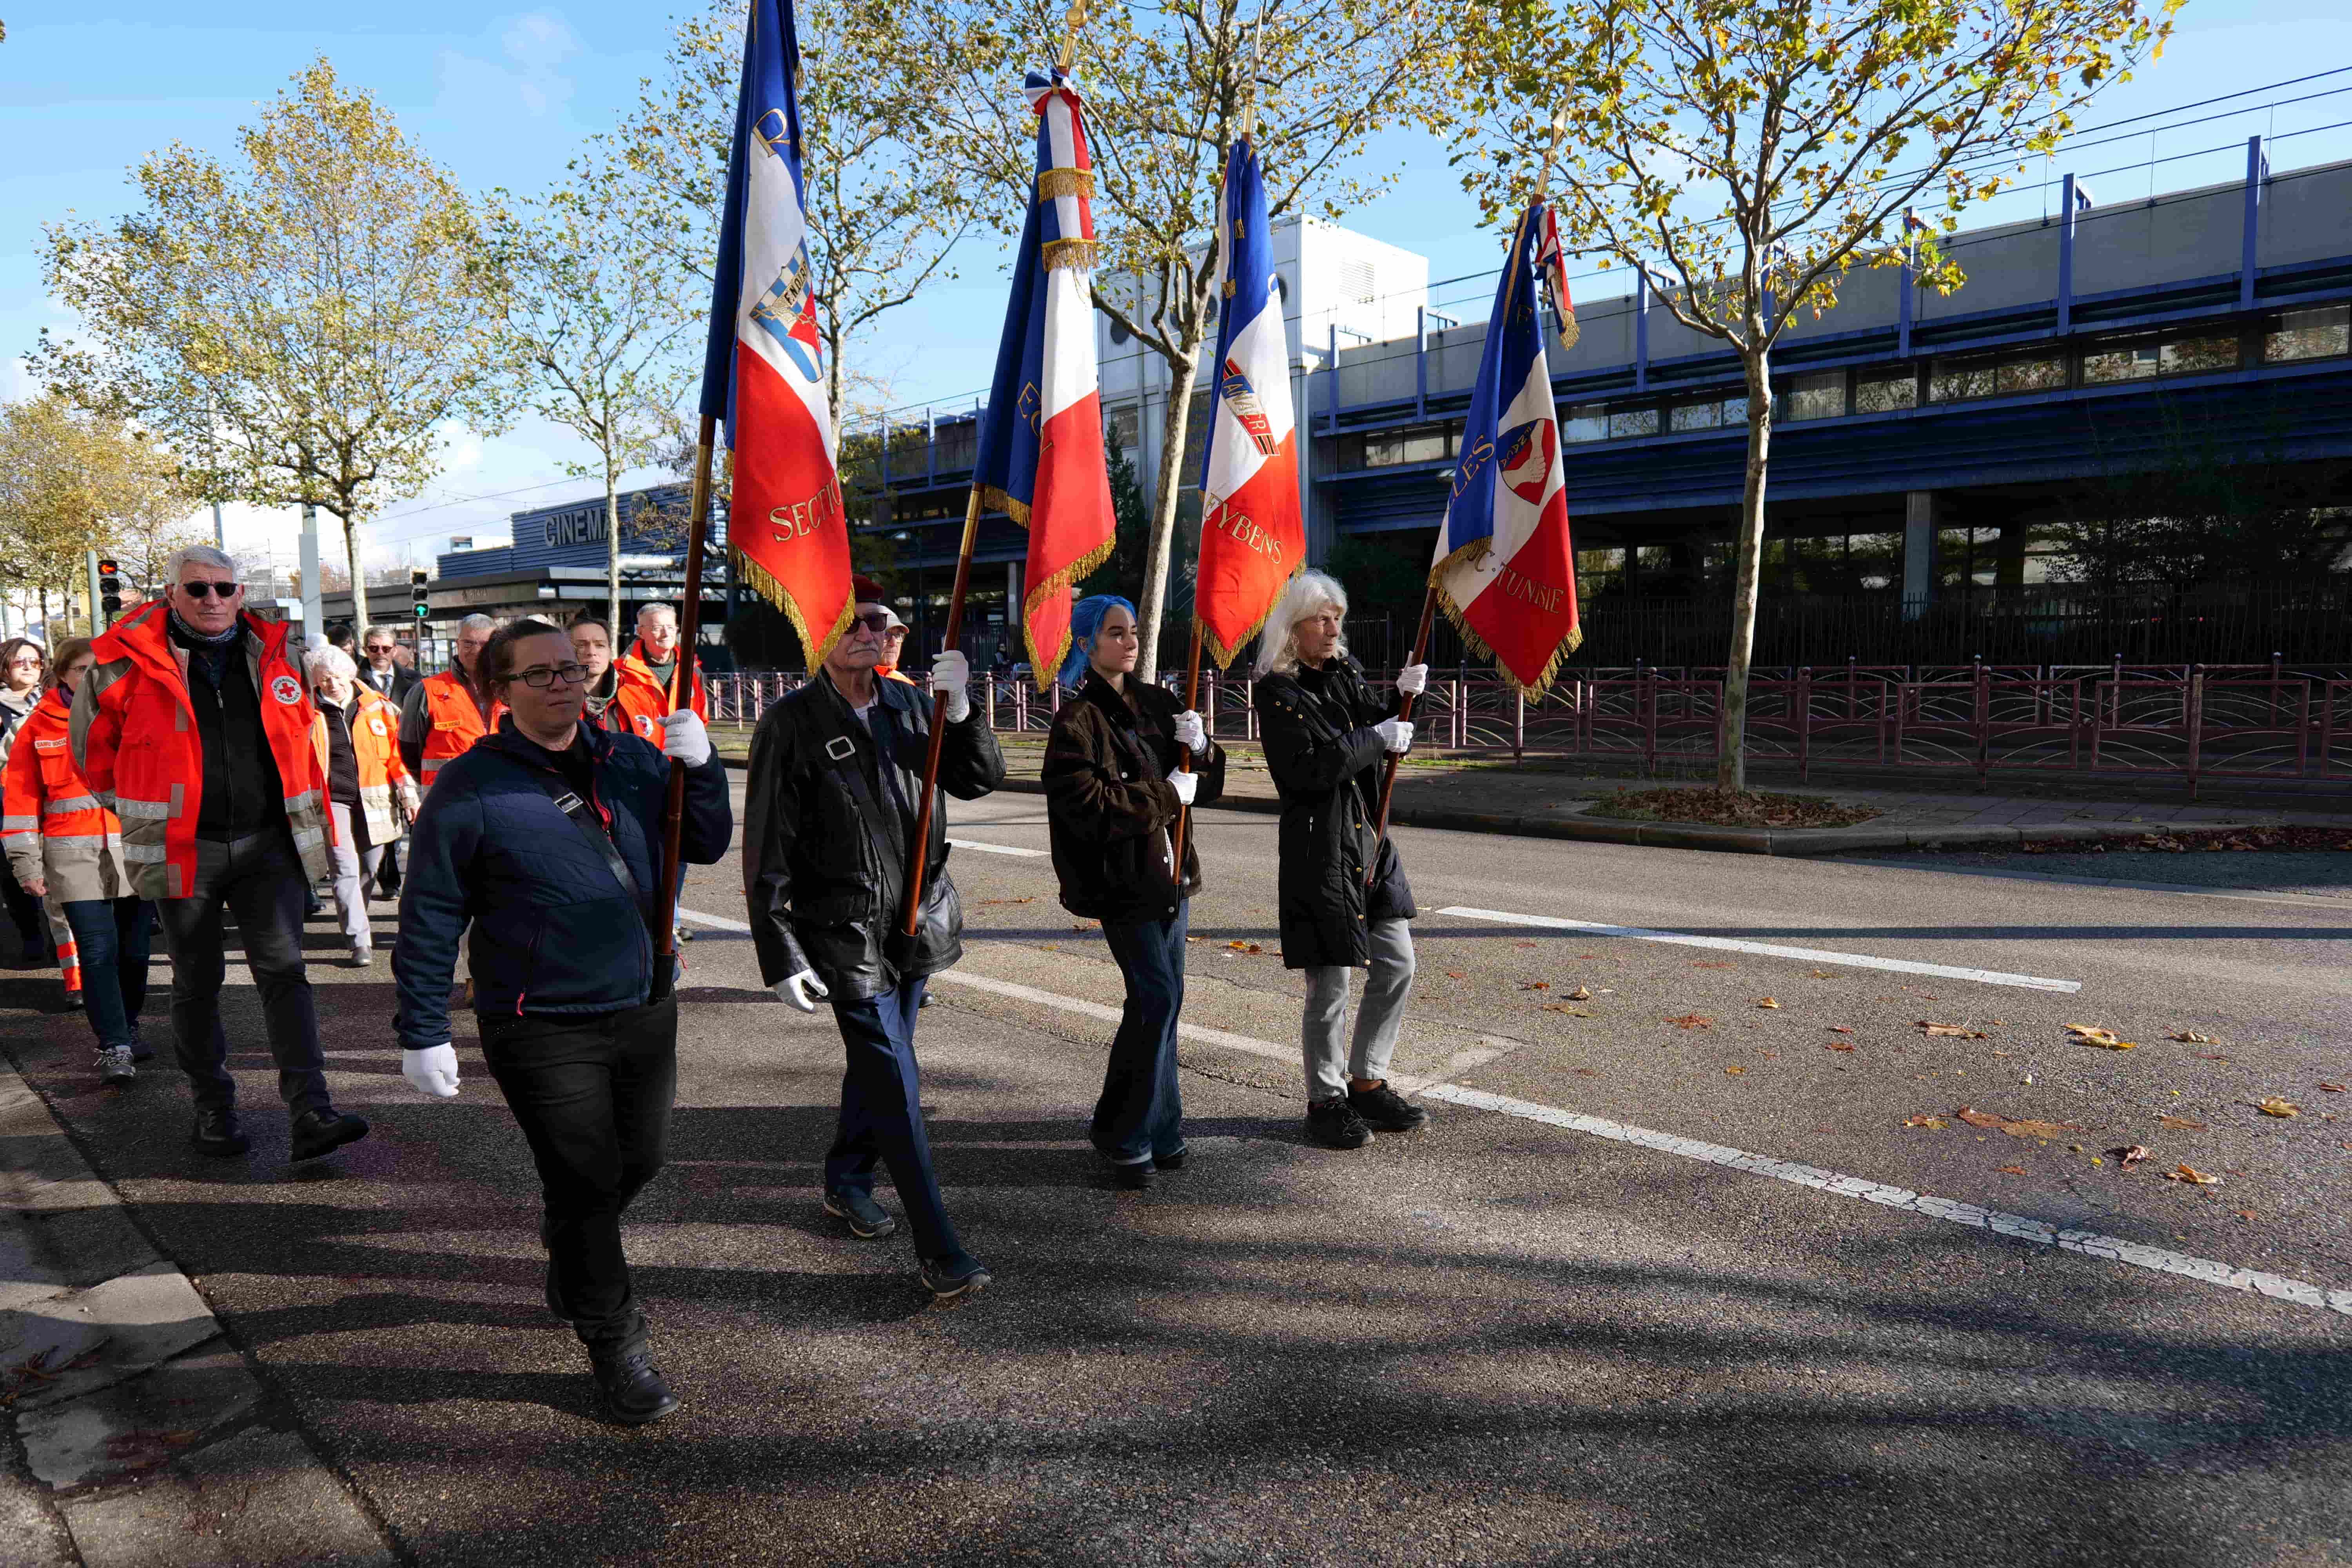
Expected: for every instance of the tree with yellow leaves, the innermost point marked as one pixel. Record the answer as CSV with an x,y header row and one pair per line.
x,y
1743,157
72,481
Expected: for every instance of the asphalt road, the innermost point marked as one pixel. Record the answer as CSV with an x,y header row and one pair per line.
x,y
1502,1340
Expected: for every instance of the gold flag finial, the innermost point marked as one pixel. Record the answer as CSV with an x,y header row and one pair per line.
x,y
1077,21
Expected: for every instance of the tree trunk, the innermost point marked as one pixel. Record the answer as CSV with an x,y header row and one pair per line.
x,y
613,552
1732,764
359,588
1152,603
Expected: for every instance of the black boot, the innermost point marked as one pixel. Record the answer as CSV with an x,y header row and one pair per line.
x,y
324,1130
631,1385
216,1131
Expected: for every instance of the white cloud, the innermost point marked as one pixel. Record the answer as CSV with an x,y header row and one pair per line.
x,y
532,47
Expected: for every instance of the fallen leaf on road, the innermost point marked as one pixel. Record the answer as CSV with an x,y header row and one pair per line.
x,y
1840,1029
1587,1072
2011,1170
2211,1057
2025,1128
2192,1175
1823,975
1975,1118
2333,1087
1692,1021
1244,947
1837,1044
2191,1038
2246,1214
1958,1031
986,904
1523,945
1735,1072
1924,1121
2181,1122
1768,1002
2105,1039
2132,1156
2275,1106
1453,974
1580,994
1564,1007
1535,984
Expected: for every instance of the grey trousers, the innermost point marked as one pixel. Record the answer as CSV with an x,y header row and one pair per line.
x,y
354,874
1377,1018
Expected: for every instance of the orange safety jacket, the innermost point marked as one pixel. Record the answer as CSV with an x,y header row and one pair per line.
x,y
134,734
55,830
457,723
375,746
638,706
634,660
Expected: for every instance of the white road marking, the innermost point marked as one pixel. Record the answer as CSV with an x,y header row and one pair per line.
x,y
1770,950
1000,848
2089,1243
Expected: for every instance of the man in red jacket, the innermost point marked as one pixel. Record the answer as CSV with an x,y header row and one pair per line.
x,y
194,727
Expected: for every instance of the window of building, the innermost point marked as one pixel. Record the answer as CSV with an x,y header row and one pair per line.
x,y
1821,395
1427,444
1118,333
1585,422
1958,380
2037,374
1625,422
2187,355
1707,416
2116,359
2308,334
1599,572
1124,430
1882,392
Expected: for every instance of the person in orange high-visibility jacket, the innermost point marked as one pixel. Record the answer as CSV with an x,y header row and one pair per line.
x,y
654,656
369,793
619,699
66,848
195,726
444,714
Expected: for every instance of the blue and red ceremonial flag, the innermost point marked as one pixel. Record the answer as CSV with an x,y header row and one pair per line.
x,y
764,372
1252,540
1041,441
1505,568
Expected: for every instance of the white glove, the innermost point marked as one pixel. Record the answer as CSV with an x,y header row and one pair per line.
x,y
951,673
684,737
1191,733
1186,786
433,1070
1396,734
1412,679
804,990
410,805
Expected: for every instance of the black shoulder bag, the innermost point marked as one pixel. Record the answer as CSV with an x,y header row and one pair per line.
x,y
592,828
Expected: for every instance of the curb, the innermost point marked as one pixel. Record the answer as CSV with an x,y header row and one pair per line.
x,y
1783,841
134,1421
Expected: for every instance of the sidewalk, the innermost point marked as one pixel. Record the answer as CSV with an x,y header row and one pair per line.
x,y
141,1436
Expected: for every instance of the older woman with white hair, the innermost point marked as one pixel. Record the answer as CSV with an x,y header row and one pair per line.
x,y
357,736
1343,899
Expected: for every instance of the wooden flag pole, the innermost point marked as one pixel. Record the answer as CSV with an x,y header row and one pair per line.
x,y
690,629
1184,753
921,852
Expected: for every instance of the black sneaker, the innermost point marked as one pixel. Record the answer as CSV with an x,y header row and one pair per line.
x,y
956,1277
1172,1161
114,1064
633,1388
217,1132
1385,1109
1335,1124
868,1221
317,1133
1134,1176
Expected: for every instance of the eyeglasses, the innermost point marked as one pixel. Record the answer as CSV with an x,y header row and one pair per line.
x,y
540,677
201,590
877,623
377,648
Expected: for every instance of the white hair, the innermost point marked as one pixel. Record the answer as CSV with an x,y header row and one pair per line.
x,y
644,610
328,659
391,632
1277,640
199,555
478,623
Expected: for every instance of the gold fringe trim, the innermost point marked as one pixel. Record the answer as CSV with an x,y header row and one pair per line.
x,y
1043,666
764,583
1057,252
1477,645
1568,330
1017,511
1218,651
1053,183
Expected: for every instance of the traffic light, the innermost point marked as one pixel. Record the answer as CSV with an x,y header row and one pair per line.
x,y
417,593
110,589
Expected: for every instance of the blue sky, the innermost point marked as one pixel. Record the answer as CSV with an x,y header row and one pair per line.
x,y
85,92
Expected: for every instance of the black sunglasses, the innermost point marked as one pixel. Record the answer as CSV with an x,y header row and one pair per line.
x,y
204,590
877,623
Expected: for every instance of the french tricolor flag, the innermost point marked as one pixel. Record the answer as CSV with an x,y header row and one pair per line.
x,y
1041,442
1505,568
764,369
1251,538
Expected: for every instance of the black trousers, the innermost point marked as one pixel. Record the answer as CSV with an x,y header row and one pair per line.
x,y
260,881
592,1097
25,914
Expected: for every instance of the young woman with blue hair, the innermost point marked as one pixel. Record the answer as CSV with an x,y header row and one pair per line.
x,y
1113,789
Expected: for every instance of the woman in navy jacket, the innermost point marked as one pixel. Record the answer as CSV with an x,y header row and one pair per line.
x,y
545,839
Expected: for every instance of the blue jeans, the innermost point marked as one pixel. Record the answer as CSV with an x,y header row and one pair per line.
x,y
1140,1115
111,935
882,1115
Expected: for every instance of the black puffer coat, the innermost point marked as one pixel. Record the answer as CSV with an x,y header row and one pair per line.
x,y
1110,806
1325,756
826,838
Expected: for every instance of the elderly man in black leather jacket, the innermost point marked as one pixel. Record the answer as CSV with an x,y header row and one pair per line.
x,y
829,819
